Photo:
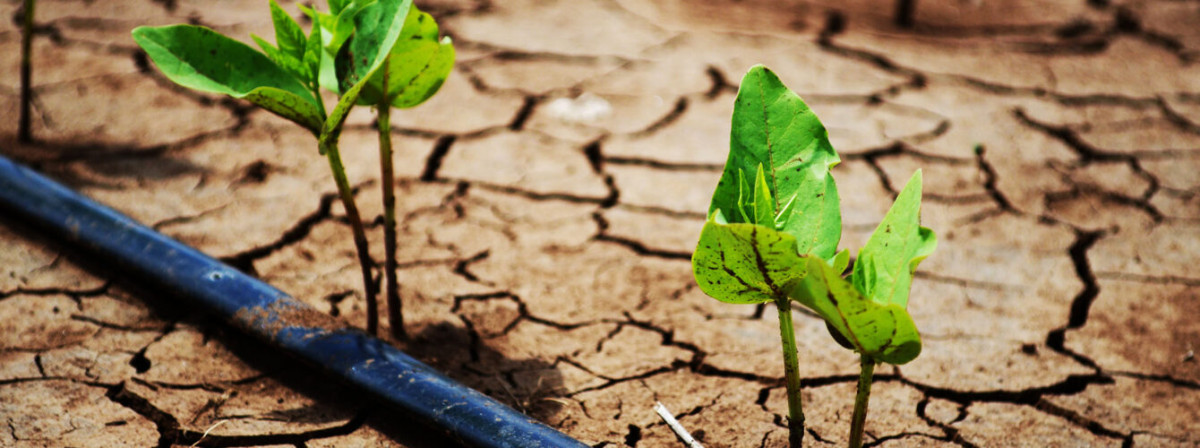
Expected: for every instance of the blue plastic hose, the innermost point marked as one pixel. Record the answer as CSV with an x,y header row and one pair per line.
x,y
323,342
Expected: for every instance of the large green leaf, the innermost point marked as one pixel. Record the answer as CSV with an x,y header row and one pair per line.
x,y
885,332
775,129
884,268
417,66
745,263
202,59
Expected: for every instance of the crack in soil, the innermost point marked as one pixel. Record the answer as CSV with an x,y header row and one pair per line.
x,y
1082,303
1088,155
637,247
172,433
1079,37
244,261
951,434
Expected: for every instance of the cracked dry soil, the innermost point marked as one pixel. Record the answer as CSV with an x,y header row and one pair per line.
x,y
546,262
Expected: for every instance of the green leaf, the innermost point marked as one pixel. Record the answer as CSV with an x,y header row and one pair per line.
x,y
268,49
884,332
414,82
841,261
341,25
762,203
745,263
312,57
376,29
885,266
292,46
774,128
202,59
288,35
321,20
323,24
417,66
287,105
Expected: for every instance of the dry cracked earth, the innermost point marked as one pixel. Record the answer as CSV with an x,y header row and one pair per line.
x,y
544,255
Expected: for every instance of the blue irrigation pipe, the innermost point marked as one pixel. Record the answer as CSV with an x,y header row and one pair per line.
x,y
292,326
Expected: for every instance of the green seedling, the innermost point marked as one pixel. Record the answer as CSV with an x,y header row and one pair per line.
x,y
285,79
414,70
772,234
24,126
774,205
868,313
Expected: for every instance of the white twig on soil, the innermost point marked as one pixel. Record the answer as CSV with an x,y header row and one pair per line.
x,y
675,426
210,428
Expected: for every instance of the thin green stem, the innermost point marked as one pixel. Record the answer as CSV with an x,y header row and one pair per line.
x,y
24,131
316,91
360,236
395,312
791,365
859,421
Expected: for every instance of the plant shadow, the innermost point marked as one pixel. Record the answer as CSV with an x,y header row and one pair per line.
x,y
530,386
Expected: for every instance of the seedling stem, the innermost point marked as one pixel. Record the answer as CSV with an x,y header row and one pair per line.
x,y
859,420
395,312
24,134
330,148
791,366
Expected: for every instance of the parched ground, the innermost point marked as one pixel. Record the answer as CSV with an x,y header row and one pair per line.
x,y
544,252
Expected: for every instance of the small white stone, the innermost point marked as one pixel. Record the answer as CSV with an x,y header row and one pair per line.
x,y
586,108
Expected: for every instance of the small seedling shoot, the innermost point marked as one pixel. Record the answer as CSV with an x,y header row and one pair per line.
x,y
772,233
285,79
412,72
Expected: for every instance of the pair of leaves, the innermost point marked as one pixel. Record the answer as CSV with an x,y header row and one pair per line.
x,y
885,332
868,312
416,68
377,27
284,79
772,235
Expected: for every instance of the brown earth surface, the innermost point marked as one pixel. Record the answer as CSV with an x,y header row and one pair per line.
x,y
544,257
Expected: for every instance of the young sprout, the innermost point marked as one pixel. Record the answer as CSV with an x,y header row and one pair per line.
x,y
286,78
772,236
868,313
413,71
775,206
